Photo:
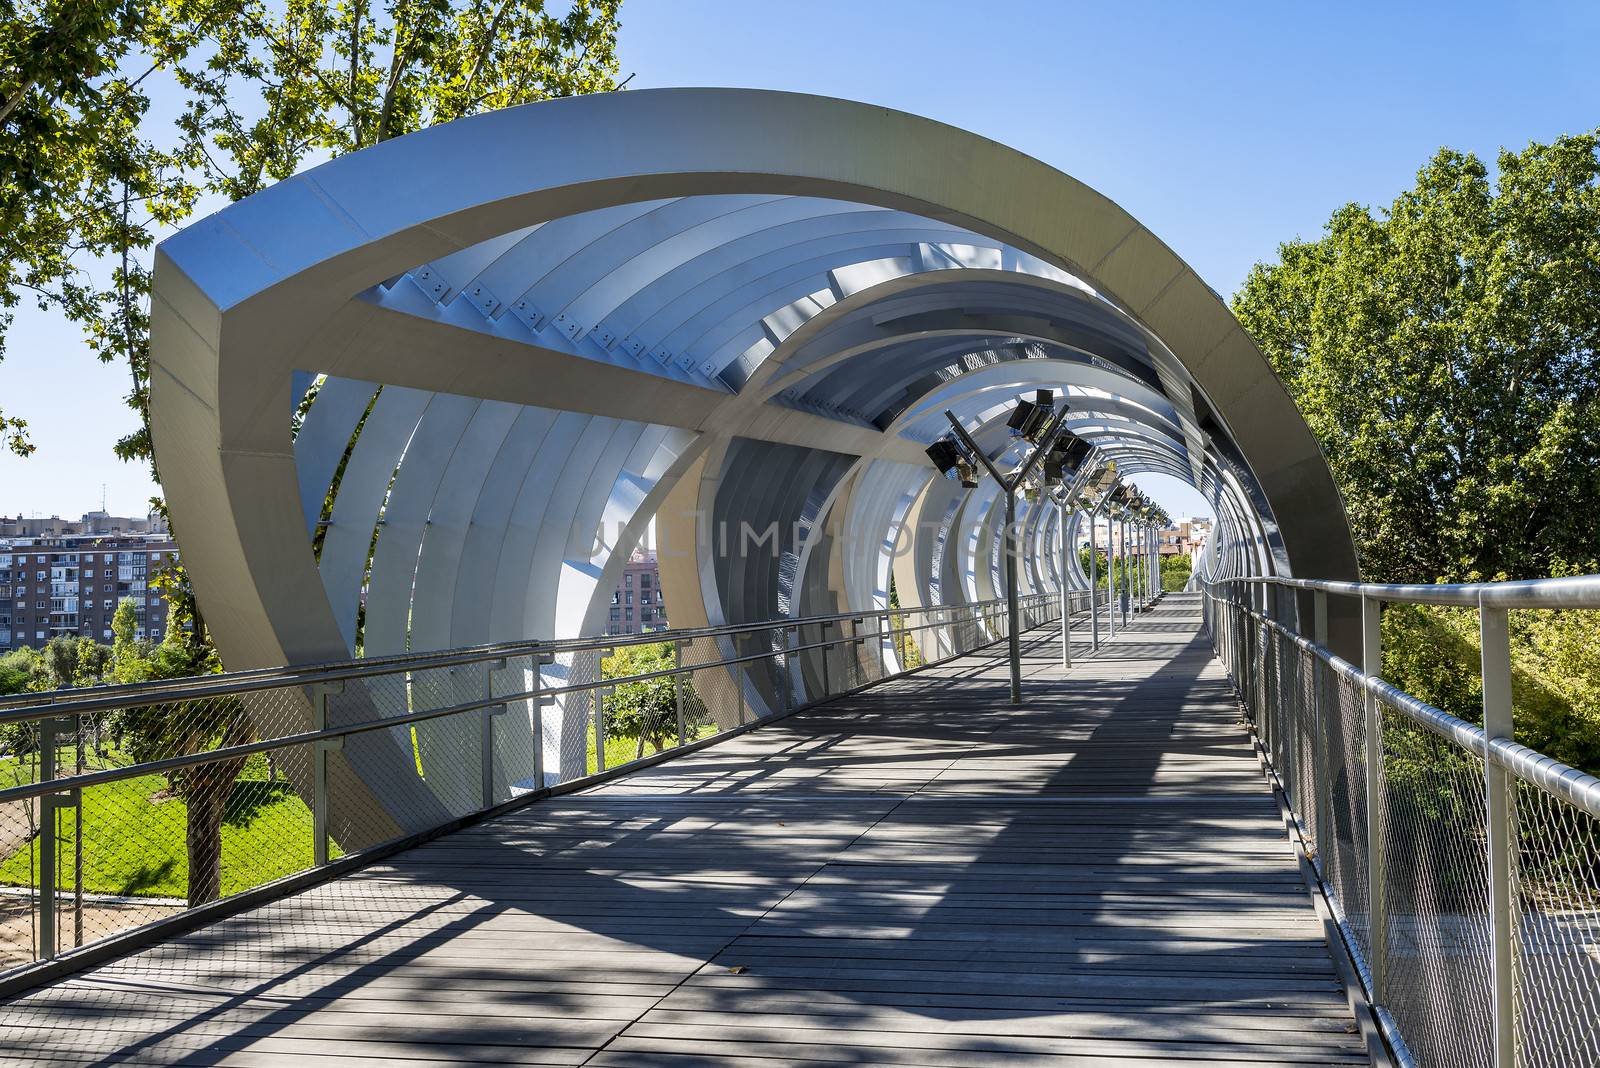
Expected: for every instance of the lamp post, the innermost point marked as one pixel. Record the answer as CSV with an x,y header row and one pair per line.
x,y
1066,600
1009,487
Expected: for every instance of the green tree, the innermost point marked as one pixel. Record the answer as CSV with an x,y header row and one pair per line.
x,y
77,181
265,88
1446,353
647,710
179,728
18,670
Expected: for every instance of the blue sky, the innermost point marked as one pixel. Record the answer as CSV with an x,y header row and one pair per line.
x,y
1224,128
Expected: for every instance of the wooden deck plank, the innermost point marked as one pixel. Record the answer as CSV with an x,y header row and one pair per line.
x,y
918,875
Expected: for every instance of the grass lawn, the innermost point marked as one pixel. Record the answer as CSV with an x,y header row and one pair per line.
x,y
620,751
133,830
133,838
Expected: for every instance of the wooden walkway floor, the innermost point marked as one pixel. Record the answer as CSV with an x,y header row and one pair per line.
x,y
917,875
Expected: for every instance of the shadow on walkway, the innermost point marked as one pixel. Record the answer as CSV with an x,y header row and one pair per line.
x,y
919,874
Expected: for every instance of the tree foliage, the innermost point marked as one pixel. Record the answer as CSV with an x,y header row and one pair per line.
x,y
1446,353
647,710
1175,571
89,176
165,729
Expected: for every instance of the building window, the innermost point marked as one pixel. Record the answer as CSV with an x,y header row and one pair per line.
x,y
627,598
644,582
627,579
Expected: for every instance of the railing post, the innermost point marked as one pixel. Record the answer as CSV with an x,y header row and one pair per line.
x,y
1321,709
738,683
1495,640
47,841
486,717
822,630
539,700
600,695
319,769
1377,876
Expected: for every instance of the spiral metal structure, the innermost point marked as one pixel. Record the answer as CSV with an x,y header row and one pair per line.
x,y
432,394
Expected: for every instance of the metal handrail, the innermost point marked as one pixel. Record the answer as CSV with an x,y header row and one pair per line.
x,y
56,703
329,734
1577,788
1258,652
1578,591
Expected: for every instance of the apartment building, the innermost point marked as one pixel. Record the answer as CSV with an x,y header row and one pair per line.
x,y
636,603
70,586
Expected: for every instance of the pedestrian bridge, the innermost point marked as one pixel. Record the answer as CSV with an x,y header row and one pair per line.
x,y
916,874
928,769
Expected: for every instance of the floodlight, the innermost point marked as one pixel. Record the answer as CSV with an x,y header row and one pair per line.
x,y
944,455
1021,416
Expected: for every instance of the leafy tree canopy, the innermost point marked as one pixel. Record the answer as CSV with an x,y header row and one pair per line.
x,y
1446,353
93,167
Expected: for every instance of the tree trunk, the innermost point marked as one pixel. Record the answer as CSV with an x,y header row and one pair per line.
x,y
205,790
204,841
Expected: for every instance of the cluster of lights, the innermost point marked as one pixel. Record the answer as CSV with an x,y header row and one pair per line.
x,y
1029,421
1127,502
1068,466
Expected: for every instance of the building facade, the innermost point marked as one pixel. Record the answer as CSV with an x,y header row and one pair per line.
x,y
637,606
91,523
1185,537
70,586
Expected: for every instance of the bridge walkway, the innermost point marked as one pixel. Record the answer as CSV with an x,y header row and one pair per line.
x,y
915,875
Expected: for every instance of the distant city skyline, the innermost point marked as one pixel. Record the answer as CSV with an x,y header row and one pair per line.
x,y
1235,130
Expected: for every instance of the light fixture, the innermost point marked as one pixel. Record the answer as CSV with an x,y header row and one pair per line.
x,y
945,456
1029,418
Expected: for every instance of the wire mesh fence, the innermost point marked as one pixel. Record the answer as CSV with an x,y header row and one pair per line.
x,y
124,806
1394,801
1558,949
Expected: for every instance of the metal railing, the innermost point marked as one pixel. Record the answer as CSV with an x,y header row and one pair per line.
x,y
131,808
1462,867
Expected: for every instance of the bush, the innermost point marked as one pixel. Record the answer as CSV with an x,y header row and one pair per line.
x,y
647,711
